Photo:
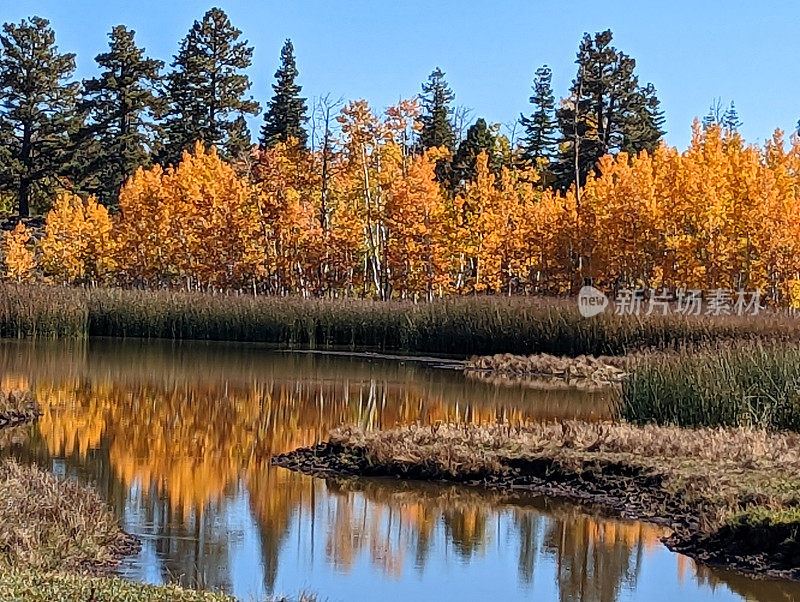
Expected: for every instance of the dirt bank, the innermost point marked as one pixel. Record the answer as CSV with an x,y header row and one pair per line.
x,y
728,495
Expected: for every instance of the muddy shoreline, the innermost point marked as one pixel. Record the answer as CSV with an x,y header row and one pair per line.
x,y
616,488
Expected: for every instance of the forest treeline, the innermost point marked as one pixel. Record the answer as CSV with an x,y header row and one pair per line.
x,y
89,137
150,178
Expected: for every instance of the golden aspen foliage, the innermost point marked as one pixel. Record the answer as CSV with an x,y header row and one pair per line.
x,y
362,213
78,245
195,224
290,218
416,246
18,257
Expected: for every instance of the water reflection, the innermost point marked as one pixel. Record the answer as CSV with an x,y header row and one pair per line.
x,y
178,439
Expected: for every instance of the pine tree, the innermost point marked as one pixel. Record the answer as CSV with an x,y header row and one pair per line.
x,y
479,139
286,111
725,118
579,145
37,111
715,114
607,110
206,90
642,125
437,129
121,105
540,137
730,119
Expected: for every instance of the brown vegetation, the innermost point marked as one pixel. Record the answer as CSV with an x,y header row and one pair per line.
x,y
597,370
66,526
17,407
729,494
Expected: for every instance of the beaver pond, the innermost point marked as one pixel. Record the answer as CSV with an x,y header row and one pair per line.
x,y
177,437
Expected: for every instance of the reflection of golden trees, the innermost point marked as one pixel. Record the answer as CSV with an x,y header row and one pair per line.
x,y
387,520
192,440
182,430
595,558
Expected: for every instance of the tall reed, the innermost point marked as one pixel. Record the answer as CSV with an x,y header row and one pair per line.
x,y
458,326
754,384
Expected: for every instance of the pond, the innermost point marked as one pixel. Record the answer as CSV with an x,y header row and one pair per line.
x,y
177,438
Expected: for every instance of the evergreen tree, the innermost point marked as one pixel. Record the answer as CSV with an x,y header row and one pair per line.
x,y
206,90
730,119
540,137
642,125
121,105
714,115
437,129
607,110
726,118
480,138
37,111
286,112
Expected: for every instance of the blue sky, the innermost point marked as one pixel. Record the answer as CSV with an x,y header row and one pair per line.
x,y
693,51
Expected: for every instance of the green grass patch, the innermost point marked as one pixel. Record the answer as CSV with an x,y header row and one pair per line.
x,y
54,587
752,384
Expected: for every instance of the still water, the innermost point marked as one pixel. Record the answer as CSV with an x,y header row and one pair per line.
x,y
178,437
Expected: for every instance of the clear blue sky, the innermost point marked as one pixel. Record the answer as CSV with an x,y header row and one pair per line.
x,y
692,50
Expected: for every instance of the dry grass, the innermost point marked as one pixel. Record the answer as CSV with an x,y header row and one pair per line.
x,y
464,325
17,407
714,474
599,370
50,524
55,587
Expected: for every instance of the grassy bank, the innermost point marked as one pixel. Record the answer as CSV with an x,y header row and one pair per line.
x,y
751,384
731,495
48,524
58,539
52,587
471,325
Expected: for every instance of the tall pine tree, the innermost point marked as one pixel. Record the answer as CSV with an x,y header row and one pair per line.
x,y
286,111
37,111
205,92
540,139
121,105
479,139
437,129
607,110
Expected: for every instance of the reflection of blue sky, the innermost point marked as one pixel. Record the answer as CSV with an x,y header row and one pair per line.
x,y
308,563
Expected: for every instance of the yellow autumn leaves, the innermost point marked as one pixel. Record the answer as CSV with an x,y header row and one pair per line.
x,y
367,217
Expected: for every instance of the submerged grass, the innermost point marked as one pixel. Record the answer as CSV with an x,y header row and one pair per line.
x,y
752,384
466,325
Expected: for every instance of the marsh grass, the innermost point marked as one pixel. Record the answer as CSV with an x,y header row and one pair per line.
x,y
460,325
48,524
753,384
718,475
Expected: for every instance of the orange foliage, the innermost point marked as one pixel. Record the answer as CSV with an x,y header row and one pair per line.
x,y
19,259
78,245
196,223
366,216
